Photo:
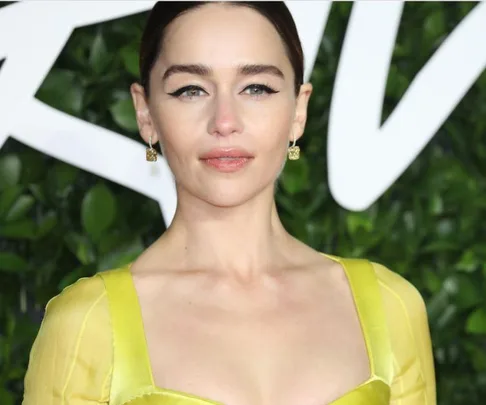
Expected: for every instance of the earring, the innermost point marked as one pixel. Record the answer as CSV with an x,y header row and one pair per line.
x,y
151,153
293,151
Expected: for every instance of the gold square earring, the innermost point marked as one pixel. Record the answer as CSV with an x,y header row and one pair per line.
x,y
293,151
151,153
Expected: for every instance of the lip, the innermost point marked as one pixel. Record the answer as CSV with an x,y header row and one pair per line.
x,y
234,152
227,160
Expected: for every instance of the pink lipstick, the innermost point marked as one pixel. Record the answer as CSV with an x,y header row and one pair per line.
x,y
227,160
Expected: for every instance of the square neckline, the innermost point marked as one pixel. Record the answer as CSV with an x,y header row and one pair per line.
x,y
206,401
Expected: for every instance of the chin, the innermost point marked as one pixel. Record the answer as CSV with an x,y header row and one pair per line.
x,y
227,193
229,197
230,191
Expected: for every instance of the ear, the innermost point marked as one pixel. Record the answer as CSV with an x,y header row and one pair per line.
x,y
144,120
300,117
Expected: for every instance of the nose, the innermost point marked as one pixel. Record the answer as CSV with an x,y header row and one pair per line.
x,y
225,116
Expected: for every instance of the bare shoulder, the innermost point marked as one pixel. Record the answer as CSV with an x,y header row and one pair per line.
x,y
306,256
324,269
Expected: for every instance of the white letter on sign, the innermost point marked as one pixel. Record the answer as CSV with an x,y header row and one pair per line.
x,y
364,159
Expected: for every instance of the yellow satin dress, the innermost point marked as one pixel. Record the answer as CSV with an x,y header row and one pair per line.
x,y
91,347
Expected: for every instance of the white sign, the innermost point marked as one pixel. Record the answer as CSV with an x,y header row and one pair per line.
x,y
364,159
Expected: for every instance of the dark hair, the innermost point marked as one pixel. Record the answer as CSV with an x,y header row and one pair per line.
x,y
164,12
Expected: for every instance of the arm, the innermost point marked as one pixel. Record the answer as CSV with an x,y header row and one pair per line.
x,y
71,359
413,364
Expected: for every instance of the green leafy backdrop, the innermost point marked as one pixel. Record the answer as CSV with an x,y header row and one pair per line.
x,y
58,223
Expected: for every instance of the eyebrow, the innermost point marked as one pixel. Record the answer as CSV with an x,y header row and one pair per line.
x,y
204,70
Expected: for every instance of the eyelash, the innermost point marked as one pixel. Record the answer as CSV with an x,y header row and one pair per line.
x,y
267,89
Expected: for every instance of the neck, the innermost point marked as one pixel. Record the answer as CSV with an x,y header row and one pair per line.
x,y
241,241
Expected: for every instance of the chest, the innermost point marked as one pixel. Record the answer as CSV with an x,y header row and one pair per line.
x,y
267,353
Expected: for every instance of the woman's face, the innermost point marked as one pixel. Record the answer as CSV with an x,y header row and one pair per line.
x,y
223,84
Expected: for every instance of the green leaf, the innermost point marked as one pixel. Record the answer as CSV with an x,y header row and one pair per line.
x,y
445,227
436,204
99,57
477,354
8,198
81,247
23,229
10,171
62,90
46,224
6,397
397,83
432,281
476,322
295,177
317,199
447,316
33,166
122,255
112,239
98,210
12,262
465,7
469,262
60,180
468,293
38,192
74,275
15,373
284,202
434,24
439,246
123,113
437,304
358,220
20,208
129,56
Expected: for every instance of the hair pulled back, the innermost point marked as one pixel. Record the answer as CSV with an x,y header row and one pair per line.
x,y
164,12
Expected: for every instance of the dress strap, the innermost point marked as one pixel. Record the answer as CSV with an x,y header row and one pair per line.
x,y
368,300
132,373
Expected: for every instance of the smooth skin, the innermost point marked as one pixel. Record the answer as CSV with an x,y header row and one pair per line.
x,y
226,291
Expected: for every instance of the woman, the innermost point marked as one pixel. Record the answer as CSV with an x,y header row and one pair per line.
x,y
226,307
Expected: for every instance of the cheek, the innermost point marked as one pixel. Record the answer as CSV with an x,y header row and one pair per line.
x,y
178,133
273,127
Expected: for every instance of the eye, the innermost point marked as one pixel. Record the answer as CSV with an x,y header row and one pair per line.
x,y
188,92
259,90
